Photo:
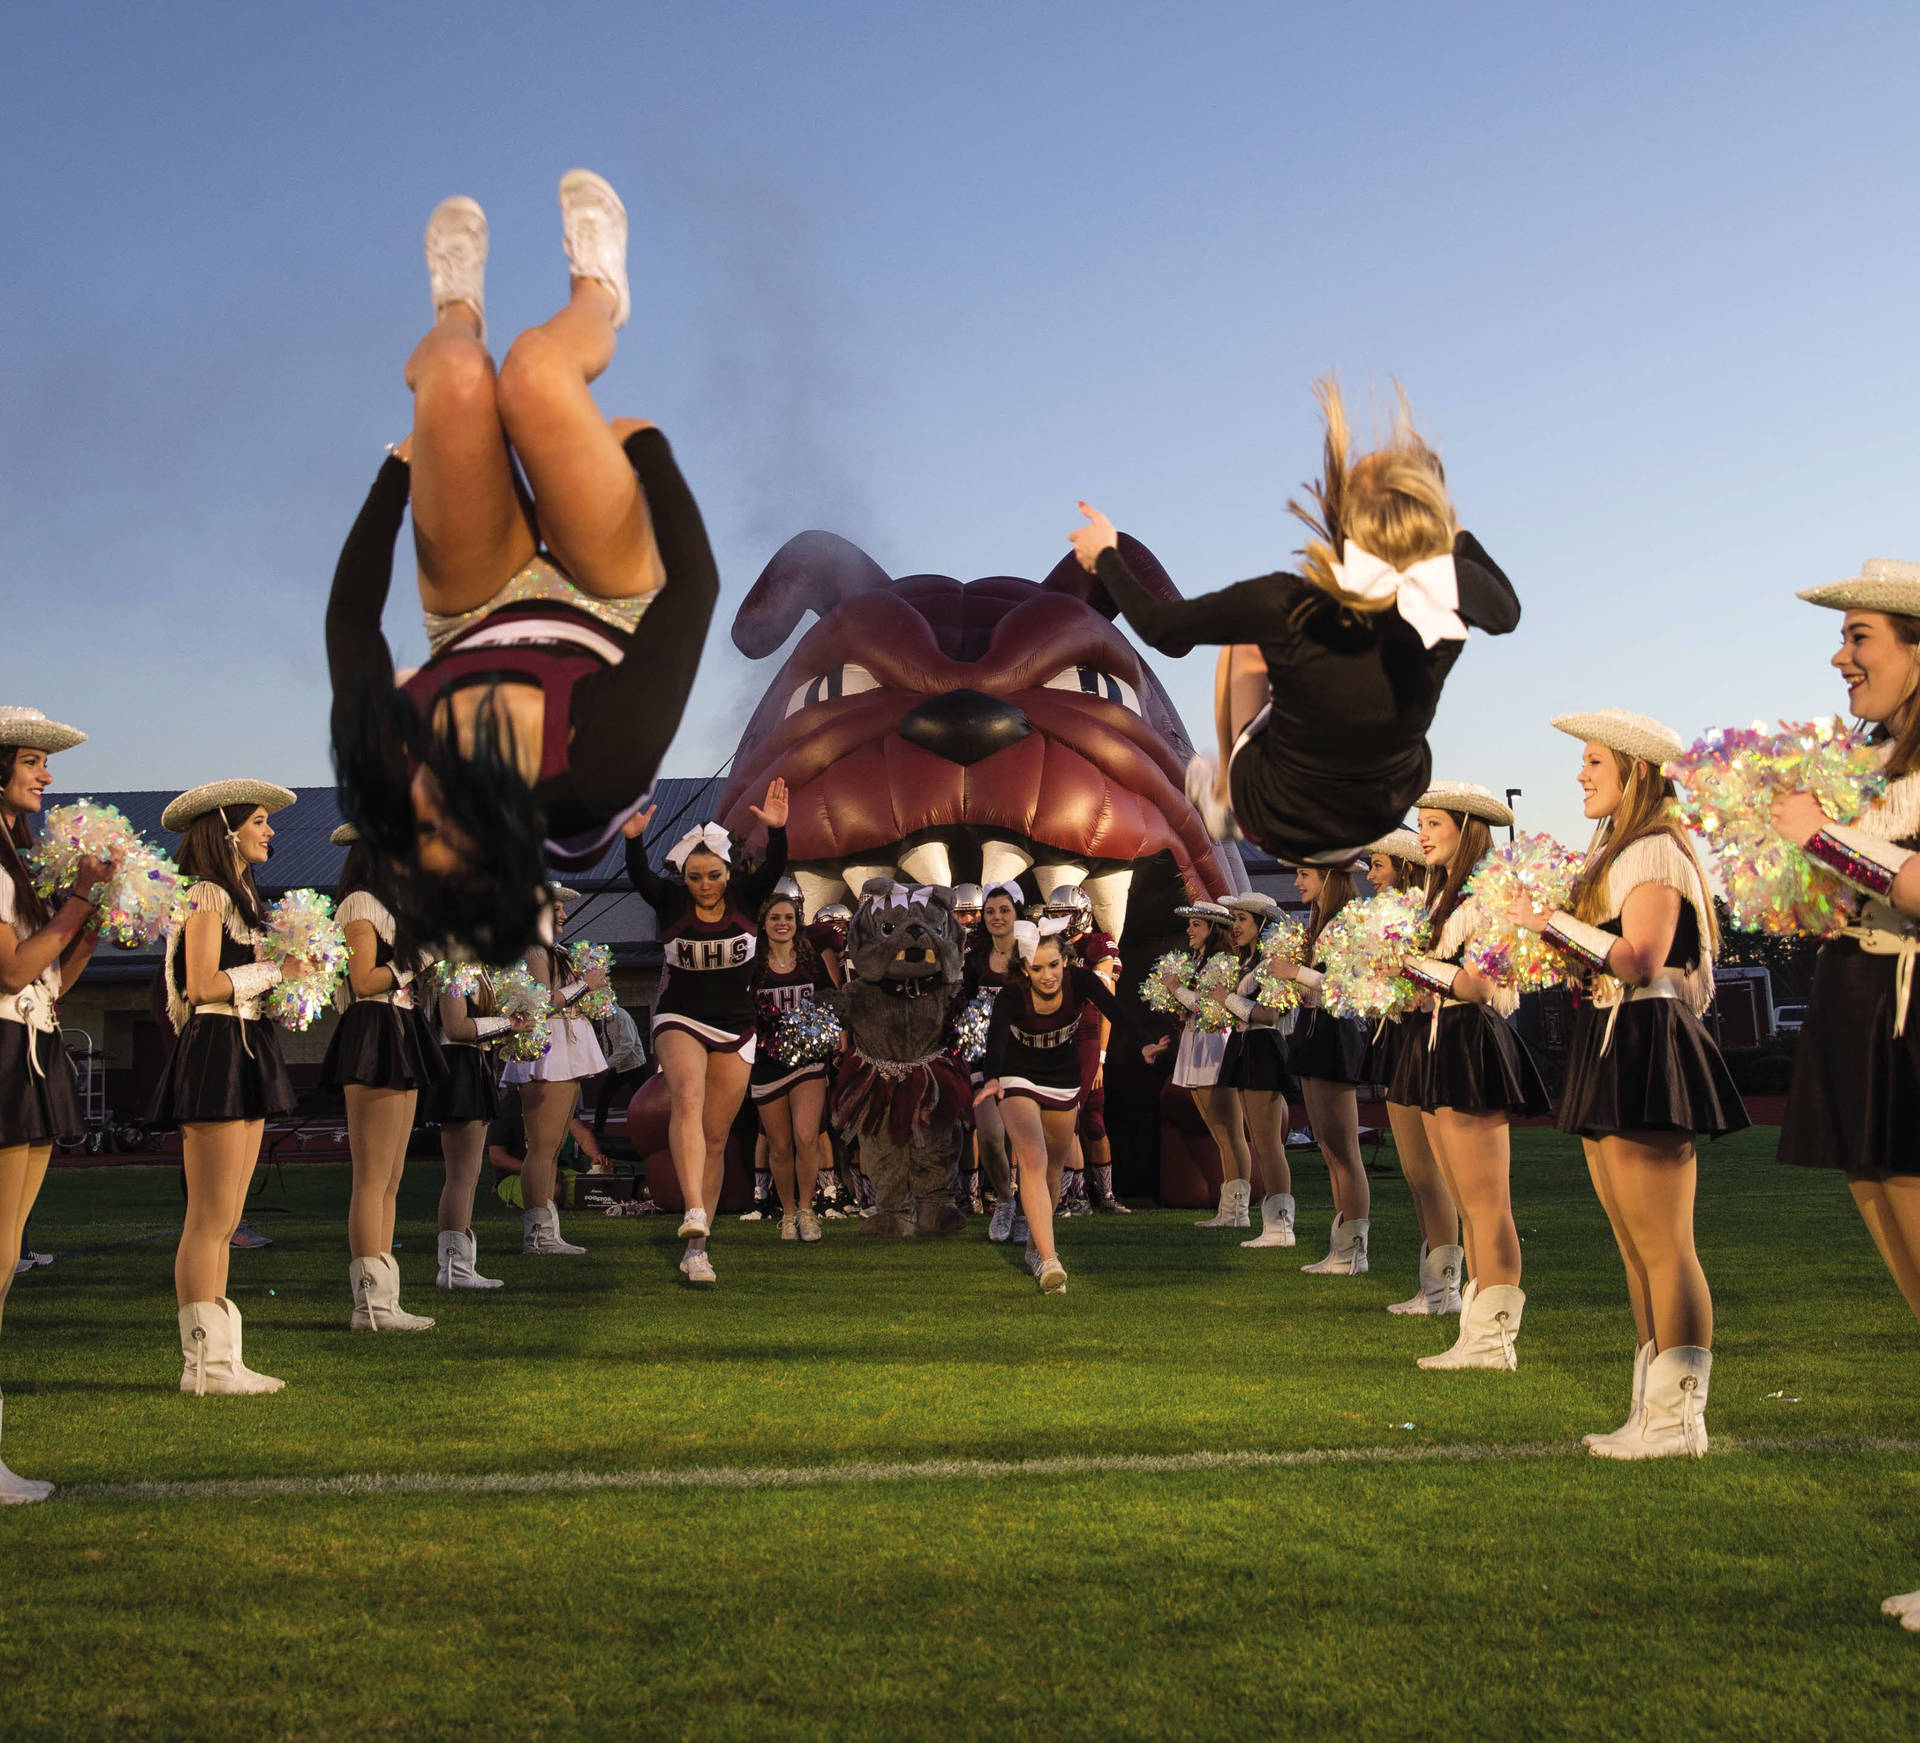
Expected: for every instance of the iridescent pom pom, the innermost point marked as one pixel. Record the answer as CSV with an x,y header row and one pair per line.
x,y
1540,869
301,927
1727,784
806,1034
461,979
970,1028
1219,977
1155,996
1281,941
516,996
1361,949
586,957
143,896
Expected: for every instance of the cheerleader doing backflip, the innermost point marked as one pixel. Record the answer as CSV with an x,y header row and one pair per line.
x,y
225,1077
43,948
704,1017
1328,679
1397,1060
542,533
1479,1074
1854,1103
1643,1075
1033,1074
381,1057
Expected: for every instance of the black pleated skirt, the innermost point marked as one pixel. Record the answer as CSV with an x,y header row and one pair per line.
x,y
469,1090
1661,1073
1477,1064
1397,1059
36,1107
217,1074
1257,1060
1332,1049
1854,1103
381,1046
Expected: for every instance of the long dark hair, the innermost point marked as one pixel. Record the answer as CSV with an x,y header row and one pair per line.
x,y
1218,939
1336,891
357,872
207,856
15,842
1903,729
805,959
1444,882
492,907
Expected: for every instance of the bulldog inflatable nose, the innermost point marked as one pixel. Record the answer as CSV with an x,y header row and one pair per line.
x,y
963,726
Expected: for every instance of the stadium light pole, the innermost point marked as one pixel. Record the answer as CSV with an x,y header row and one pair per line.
x,y
1513,830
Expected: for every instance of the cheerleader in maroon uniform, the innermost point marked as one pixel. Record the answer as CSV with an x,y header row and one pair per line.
x,y
1397,1061
380,1058
790,1099
703,1021
1089,1172
992,962
1033,1073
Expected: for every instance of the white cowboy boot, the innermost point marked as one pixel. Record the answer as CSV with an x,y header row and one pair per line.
x,y
459,1252
1276,1222
1439,1291
207,1355
1222,1217
1674,1420
540,1232
1489,1326
237,1327
393,1317
1637,1413
1242,1203
20,1491
1346,1250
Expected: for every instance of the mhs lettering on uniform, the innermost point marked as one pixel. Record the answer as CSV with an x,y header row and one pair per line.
x,y
700,954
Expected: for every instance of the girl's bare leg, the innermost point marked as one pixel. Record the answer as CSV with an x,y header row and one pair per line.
x,y
991,1135
1241,689
808,1106
1032,1161
217,1158
776,1120
1651,1177
379,1123
463,1147
726,1088
1477,1154
587,501
1891,1209
547,1107
1267,1130
23,1168
1432,1202
1639,1294
1335,1112
1226,1125
683,1062
471,527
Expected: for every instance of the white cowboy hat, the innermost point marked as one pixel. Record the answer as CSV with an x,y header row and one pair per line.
x,y
1634,735
1252,902
1204,911
1398,844
1883,584
564,896
29,729
345,836
198,801
1475,801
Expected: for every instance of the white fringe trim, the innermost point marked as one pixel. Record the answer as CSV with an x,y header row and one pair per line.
x,y
216,900
1462,927
1659,859
365,905
1897,815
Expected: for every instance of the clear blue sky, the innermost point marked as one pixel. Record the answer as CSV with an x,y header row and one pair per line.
x,y
923,275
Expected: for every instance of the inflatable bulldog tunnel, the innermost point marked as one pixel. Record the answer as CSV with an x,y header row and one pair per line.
x,y
969,732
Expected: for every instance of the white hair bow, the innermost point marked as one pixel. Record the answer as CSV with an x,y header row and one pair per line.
x,y
1028,934
710,836
1427,595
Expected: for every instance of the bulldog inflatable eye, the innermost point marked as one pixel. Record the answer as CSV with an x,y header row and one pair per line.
x,y
830,686
1091,681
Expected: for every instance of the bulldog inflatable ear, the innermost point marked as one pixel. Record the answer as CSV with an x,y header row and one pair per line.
x,y
1069,577
812,571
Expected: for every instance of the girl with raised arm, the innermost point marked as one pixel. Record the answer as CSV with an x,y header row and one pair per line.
x,y
1328,679
704,1019
542,533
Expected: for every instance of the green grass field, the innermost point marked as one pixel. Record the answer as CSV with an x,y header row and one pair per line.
x,y
1383,1585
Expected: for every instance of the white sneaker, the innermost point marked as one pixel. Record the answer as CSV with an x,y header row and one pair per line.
x,y
790,1228
696,1267
1000,1225
1020,1231
1204,797
457,256
1276,1222
1053,1278
809,1226
16,1491
694,1224
540,1233
594,226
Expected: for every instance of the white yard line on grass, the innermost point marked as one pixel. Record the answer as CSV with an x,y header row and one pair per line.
x,y
925,1471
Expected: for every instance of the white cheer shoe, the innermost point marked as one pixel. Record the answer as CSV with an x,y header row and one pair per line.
x,y
457,256
594,227
17,1491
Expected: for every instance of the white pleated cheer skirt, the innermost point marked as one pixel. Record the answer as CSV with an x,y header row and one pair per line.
x,y
1197,1064
575,1053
